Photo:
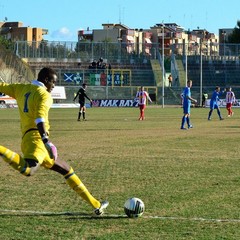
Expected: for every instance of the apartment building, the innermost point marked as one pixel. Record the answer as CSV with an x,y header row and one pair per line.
x,y
15,31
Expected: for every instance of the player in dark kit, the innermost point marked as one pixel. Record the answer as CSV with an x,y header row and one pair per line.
x,y
81,94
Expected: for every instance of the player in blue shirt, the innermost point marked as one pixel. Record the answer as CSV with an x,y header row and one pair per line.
x,y
214,103
187,99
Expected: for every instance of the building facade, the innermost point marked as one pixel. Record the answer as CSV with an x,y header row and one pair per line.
x,y
15,31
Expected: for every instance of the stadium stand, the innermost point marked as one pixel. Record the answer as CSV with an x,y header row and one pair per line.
x,y
126,74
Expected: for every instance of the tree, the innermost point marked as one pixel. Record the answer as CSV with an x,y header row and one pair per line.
x,y
8,44
235,36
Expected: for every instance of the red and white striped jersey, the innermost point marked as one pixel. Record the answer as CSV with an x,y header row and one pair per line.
x,y
142,97
230,97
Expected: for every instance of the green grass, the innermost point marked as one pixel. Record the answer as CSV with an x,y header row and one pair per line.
x,y
188,180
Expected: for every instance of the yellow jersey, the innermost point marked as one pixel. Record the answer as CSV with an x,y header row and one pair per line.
x,y
33,100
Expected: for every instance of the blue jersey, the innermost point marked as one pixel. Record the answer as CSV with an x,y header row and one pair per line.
x,y
214,99
186,94
215,96
186,100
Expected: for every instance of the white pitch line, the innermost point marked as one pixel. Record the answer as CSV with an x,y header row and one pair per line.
x,y
81,215
194,219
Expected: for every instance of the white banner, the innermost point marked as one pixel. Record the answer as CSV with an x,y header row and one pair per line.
x,y
222,103
69,105
58,92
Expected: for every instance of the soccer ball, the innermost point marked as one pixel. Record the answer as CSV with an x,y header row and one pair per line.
x,y
134,207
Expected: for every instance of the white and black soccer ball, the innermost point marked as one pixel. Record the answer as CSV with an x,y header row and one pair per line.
x,y
134,207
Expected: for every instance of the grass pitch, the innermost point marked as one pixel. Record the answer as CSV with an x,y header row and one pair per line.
x,y
188,180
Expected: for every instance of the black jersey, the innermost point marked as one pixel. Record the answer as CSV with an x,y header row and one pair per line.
x,y
81,94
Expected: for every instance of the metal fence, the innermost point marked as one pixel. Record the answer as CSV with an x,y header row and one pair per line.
x,y
214,63
207,65
119,52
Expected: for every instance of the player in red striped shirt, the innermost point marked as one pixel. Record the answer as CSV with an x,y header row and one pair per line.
x,y
142,97
230,99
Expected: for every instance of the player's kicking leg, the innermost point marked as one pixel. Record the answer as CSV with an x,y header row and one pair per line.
x,y
76,184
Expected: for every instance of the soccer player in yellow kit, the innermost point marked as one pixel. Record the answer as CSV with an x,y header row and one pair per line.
x,y
34,101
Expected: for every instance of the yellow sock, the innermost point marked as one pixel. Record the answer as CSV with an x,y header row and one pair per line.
x,y
75,183
15,160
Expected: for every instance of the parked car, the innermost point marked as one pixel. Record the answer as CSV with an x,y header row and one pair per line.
x,y
5,99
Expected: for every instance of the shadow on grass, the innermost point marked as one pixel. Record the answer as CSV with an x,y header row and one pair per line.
x,y
72,215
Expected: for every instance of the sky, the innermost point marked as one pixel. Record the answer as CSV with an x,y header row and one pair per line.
x,y
64,18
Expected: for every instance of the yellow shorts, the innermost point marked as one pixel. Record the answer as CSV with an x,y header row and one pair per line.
x,y
33,148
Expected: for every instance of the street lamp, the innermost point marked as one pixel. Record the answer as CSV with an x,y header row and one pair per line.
x,y
163,69
201,72
224,42
186,62
186,55
119,44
